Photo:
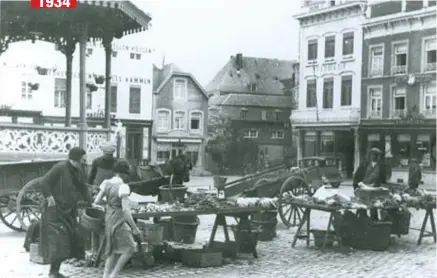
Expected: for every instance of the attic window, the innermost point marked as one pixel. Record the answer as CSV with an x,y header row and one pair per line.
x,y
276,78
231,74
257,76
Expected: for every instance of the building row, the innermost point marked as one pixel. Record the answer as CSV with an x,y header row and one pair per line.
x,y
162,110
368,79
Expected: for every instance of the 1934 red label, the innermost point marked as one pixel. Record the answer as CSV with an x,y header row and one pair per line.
x,y
53,4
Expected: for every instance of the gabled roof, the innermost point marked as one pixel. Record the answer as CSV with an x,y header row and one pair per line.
x,y
265,73
162,76
251,100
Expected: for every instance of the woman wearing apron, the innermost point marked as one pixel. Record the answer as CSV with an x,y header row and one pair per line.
x,y
120,227
101,168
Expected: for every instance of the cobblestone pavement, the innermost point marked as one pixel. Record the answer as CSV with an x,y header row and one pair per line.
x,y
276,259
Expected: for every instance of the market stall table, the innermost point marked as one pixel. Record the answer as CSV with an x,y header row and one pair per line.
x,y
240,213
429,214
336,210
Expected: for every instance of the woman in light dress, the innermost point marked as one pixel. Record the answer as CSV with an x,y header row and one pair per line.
x,y
120,227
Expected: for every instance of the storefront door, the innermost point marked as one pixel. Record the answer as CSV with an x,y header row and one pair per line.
x,y
134,143
175,151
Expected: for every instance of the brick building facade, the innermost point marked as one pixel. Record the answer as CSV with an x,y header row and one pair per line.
x,y
180,107
398,93
254,93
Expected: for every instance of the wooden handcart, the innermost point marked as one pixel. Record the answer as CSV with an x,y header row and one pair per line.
x,y
281,182
20,203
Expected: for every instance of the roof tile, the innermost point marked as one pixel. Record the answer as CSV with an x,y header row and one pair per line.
x,y
265,73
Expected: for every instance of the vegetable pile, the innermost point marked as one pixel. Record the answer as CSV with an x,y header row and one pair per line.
x,y
208,203
416,198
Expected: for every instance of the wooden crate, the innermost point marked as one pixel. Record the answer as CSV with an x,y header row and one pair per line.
x,y
202,258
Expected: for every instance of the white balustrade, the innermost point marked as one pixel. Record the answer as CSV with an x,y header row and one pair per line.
x,y
39,139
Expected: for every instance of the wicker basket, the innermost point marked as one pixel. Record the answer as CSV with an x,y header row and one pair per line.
x,y
248,239
152,233
319,237
184,231
92,219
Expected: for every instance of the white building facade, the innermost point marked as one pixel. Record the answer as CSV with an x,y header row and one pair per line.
x,y
328,111
33,79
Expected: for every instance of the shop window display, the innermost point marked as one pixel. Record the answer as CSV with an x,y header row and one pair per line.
x,y
402,150
423,146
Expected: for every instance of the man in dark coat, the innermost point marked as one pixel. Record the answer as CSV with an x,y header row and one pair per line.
x,y
414,174
371,173
101,168
61,187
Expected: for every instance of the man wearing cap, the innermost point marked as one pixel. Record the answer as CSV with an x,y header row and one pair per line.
x,y
101,168
60,187
371,173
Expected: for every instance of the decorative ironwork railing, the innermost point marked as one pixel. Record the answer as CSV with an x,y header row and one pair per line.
x,y
376,71
429,113
430,66
398,113
399,69
38,139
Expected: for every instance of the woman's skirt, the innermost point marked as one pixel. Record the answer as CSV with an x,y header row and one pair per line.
x,y
120,241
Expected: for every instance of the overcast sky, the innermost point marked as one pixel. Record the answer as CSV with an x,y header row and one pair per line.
x,y
200,35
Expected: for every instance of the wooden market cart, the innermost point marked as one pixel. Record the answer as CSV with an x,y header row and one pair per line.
x,y
281,182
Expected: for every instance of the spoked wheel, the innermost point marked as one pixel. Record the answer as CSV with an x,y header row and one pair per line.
x,y
8,212
294,186
29,203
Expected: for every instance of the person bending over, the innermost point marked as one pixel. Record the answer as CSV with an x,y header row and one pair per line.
x,y
120,227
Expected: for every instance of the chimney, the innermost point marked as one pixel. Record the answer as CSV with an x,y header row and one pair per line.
x,y
239,61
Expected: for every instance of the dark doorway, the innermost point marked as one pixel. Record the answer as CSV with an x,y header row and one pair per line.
x,y
134,143
344,142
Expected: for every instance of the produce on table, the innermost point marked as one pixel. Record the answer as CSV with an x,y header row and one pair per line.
x,y
420,199
257,202
208,203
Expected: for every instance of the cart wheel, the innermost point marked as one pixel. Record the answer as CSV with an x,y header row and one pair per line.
x,y
29,202
8,212
293,186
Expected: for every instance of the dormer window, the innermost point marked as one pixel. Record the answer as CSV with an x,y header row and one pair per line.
x,y
89,51
253,87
